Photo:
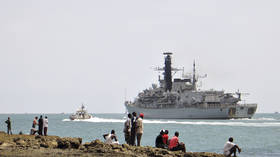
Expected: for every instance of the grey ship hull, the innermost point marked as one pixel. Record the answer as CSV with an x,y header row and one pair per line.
x,y
240,111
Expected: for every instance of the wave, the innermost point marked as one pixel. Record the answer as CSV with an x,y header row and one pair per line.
x,y
212,123
96,120
256,119
230,123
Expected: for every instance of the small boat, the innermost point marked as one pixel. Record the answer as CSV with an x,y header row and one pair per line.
x,y
81,113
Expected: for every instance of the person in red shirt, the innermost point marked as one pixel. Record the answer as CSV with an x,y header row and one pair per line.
x,y
165,137
174,144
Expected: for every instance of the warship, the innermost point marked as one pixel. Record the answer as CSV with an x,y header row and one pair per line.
x,y
80,114
179,98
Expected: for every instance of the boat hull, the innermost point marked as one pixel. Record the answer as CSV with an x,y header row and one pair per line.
x,y
229,112
74,117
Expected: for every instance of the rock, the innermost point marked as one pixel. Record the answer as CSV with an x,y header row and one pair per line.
x,y
82,147
126,146
116,146
96,142
87,144
35,147
63,143
38,137
75,142
5,145
45,145
30,145
16,139
68,142
52,144
100,150
164,152
21,142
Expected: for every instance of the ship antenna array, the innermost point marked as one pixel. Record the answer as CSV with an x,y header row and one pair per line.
x,y
167,53
172,69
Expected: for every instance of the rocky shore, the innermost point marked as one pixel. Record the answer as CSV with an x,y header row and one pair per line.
x,y
30,145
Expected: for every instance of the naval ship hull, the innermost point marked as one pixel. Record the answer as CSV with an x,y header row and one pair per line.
x,y
228,112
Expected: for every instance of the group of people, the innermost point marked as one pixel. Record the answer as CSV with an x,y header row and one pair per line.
x,y
133,128
172,144
42,126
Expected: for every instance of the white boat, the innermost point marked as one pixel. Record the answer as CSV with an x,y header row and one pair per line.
x,y
81,113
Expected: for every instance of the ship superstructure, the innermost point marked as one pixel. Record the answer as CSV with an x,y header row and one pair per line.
x,y
179,98
80,114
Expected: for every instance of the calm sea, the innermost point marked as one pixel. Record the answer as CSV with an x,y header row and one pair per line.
x,y
258,137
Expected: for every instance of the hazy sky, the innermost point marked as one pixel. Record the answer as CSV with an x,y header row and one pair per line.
x,y
56,54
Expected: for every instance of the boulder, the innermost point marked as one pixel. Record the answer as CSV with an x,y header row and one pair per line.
x,y
96,142
63,143
52,144
45,145
21,142
68,142
6,145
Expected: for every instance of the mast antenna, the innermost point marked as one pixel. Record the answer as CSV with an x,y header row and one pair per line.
x,y
194,79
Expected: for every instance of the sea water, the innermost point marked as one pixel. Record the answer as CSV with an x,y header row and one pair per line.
x,y
257,137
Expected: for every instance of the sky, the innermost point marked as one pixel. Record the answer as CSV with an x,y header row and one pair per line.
x,y
57,54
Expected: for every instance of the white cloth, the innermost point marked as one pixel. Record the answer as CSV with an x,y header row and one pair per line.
x,y
227,147
109,140
46,123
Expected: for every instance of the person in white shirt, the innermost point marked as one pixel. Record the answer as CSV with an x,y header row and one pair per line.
x,y
45,125
230,148
127,129
110,137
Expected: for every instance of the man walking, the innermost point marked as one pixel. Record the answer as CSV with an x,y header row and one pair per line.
x,y
45,125
139,128
41,123
127,129
9,126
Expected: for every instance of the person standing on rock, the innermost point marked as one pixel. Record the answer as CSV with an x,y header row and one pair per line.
x,y
9,126
230,148
41,123
139,128
127,129
110,137
133,128
45,125
174,144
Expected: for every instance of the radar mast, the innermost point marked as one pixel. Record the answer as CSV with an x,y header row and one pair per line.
x,y
167,71
194,79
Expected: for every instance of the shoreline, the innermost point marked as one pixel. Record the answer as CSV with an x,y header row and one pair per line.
x,y
36,145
